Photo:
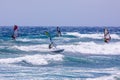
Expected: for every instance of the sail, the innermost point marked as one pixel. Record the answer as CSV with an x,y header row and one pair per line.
x,y
107,36
48,35
15,27
15,32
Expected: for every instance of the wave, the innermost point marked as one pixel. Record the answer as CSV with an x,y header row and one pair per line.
x,y
29,40
34,59
93,48
93,36
42,48
114,74
81,47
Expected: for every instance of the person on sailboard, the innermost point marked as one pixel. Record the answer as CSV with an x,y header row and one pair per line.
x,y
58,32
107,36
14,35
52,44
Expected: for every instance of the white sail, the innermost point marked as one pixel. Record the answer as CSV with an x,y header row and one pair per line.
x,y
107,36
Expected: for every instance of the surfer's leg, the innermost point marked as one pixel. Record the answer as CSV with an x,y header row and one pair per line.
x,y
50,46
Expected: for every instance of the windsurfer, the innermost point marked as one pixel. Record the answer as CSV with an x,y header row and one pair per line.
x,y
14,35
58,32
52,44
107,37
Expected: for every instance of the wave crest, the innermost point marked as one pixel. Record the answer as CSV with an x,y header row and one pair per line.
x,y
34,59
93,36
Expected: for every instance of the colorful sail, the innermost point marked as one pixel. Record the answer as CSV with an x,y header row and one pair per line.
x,y
15,32
15,27
107,36
48,35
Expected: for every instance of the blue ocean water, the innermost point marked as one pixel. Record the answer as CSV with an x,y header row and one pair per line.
x,y
85,56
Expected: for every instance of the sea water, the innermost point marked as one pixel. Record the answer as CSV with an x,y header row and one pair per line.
x,y
86,56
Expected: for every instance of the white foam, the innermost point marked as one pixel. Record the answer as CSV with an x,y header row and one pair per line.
x,y
42,48
92,73
34,59
93,48
93,36
81,47
114,74
28,40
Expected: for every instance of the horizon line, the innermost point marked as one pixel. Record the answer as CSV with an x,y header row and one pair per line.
x,y
52,26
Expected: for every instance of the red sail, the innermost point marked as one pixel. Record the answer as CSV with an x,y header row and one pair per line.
x,y
15,34
15,27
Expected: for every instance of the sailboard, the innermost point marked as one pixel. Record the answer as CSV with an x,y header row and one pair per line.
x,y
57,50
107,36
52,45
15,32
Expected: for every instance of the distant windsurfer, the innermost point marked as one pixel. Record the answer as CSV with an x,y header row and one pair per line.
x,y
14,35
58,32
107,36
